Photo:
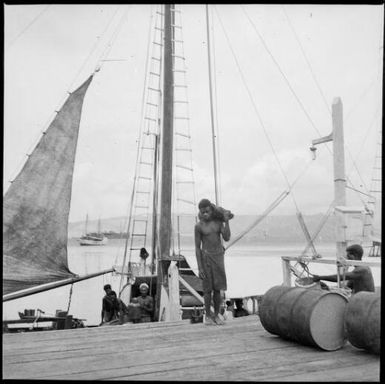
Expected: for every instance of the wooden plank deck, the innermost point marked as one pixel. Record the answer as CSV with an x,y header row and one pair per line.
x,y
241,350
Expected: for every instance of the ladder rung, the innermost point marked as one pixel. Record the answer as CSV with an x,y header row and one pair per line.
x,y
176,26
144,178
185,269
184,167
179,57
145,163
144,192
376,179
376,191
156,43
180,86
150,118
181,118
184,149
155,58
180,70
159,13
153,89
138,234
141,220
150,148
155,74
159,29
186,201
152,104
182,134
181,101
141,206
185,182
177,41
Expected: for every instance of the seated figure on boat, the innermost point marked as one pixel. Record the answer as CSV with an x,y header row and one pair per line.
x,y
113,309
213,224
239,310
145,304
360,279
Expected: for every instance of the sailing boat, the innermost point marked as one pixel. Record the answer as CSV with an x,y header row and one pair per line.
x,y
28,268
93,238
24,208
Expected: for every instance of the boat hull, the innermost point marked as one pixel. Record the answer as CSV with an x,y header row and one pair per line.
x,y
103,241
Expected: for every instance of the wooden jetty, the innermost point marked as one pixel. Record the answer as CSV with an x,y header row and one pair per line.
x,y
241,350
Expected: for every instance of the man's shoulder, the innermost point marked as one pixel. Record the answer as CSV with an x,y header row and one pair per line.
x,y
362,269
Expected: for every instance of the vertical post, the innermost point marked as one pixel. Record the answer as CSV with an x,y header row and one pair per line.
x,y
167,139
173,293
154,205
286,272
166,157
339,177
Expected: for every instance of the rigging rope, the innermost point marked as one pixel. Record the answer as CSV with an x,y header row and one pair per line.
x,y
281,71
274,204
290,186
325,217
60,103
211,108
216,112
27,27
70,298
307,61
141,123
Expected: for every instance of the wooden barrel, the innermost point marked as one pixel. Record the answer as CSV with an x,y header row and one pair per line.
x,y
308,316
363,321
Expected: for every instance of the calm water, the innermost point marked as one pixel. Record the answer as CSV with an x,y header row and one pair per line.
x,y
250,270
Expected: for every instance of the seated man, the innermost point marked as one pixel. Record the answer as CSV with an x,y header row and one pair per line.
x,y
146,303
109,305
360,279
239,310
114,311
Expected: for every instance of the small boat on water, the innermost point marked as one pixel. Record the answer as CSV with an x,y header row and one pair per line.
x,y
93,238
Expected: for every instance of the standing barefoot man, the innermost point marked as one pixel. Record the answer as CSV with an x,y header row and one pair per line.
x,y
210,256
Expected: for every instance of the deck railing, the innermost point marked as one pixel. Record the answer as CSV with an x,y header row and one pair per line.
x,y
286,260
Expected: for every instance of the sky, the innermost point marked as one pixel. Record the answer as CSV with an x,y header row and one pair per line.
x,y
277,71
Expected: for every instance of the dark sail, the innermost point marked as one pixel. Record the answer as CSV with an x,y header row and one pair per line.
x,y
36,205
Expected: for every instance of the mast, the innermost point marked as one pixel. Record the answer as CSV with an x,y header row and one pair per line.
x,y
154,207
166,151
211,108
337,136
86,225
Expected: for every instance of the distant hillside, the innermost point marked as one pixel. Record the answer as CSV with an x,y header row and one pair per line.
x,y
272,229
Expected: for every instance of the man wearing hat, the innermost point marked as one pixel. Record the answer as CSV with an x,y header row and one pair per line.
x,y
360,279
146,303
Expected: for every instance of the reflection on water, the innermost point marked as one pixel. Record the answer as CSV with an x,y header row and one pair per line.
x,y
250,271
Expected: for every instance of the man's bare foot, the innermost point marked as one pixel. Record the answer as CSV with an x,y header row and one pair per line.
x,y
218,320
209,320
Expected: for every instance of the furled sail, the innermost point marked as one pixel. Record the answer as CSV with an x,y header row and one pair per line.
x,y
36,205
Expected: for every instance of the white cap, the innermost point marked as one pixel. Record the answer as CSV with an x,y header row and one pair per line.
x,y
143,285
